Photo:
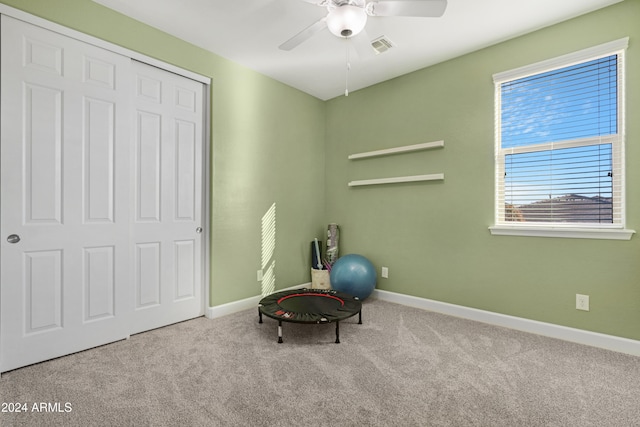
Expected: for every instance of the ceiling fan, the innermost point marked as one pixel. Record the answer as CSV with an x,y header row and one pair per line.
x,y
347,18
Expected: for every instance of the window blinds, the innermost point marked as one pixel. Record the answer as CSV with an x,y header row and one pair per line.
x,y
559,148
570,103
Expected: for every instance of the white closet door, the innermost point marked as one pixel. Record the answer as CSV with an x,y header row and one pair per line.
x,y
101,163
167,198
65,190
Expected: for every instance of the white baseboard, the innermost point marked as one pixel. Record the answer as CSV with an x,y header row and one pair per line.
x,y
594,339
241,305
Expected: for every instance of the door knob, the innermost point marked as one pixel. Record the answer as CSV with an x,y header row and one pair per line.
x,y
199,230
14,238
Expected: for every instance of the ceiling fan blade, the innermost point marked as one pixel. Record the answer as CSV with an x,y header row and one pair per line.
x,y
318,2
424,8
304,34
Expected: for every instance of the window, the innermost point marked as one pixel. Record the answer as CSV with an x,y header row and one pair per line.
x,y
560,145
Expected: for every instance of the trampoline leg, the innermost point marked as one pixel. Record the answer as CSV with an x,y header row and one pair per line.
x,y
279,331
360,317
259,316
338,332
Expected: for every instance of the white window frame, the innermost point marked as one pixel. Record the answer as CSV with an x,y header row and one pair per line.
x,y
591,231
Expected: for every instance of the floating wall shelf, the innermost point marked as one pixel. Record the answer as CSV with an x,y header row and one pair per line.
x,y
395,150
398,179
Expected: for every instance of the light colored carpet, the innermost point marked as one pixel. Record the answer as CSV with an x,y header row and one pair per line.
x,y
402,366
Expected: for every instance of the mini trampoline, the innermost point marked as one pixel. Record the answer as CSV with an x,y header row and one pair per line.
x,y
310,306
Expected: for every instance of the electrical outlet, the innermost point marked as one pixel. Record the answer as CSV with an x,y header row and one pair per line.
x,y
259,275
582,302
385,273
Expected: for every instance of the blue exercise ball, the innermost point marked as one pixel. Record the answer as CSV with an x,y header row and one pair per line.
x,y
354,275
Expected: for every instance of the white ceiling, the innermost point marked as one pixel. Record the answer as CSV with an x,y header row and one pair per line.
x,y
249,32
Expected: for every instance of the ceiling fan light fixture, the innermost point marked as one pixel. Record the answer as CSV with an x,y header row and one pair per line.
x,y
347,20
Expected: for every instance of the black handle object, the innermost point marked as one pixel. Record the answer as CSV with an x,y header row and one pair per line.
x,y
314,256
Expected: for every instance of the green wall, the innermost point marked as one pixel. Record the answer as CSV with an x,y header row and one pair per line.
x,y
257,127
434,236
274,144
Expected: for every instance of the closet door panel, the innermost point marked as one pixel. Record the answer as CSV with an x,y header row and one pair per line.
x,y
64,165
99,161
42,141
169,195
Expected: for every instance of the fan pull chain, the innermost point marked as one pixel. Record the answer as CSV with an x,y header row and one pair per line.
x,y
346,82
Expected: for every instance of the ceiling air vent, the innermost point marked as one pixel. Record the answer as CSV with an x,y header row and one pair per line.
x,y
381,44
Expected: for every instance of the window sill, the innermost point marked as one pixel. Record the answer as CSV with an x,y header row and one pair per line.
x,y
563,232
